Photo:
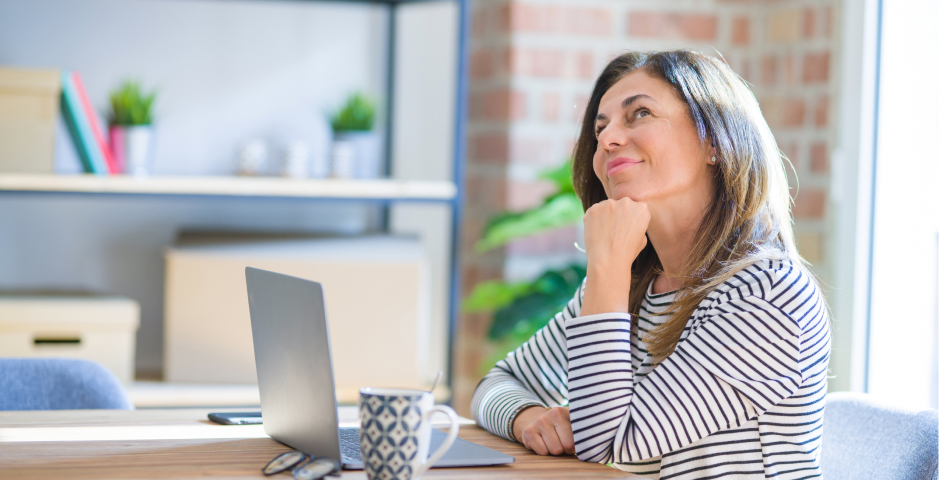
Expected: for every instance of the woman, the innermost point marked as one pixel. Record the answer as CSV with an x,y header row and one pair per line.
x,y
698,345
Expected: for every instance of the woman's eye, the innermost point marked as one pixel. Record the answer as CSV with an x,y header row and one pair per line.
x,y
641,113
598,130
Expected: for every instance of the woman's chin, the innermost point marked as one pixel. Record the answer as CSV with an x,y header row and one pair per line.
x,y
632,194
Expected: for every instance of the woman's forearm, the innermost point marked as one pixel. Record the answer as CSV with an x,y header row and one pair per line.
x,y
600,381
535,373
614,234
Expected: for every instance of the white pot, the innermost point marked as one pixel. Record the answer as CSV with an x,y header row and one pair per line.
x,y
294,160
366,155
343,159
132,146
252,158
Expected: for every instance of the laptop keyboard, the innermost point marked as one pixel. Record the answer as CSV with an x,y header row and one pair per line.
x,y
349,445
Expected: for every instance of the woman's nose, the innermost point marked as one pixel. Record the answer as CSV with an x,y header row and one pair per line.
x,y
612,137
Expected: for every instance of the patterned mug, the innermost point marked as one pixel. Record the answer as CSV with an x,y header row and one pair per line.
x,y
395,432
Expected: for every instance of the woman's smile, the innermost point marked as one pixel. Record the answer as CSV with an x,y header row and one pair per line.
x,y
619,164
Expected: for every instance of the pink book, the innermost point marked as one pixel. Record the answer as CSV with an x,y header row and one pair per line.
x,y
95,125
117,147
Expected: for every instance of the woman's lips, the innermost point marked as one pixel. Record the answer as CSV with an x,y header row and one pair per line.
x,y
620,163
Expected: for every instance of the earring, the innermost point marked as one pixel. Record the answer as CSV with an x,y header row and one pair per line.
x,y
713,160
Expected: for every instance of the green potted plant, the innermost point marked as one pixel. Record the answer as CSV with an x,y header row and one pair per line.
x,y
356,149
131,127
519,309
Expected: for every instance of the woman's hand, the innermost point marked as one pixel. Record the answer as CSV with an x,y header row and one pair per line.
x,y
614,234
545,431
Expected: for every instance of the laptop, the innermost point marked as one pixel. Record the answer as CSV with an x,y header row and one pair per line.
x,y
295,375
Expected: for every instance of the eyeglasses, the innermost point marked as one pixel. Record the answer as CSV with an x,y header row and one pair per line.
x,y
302,466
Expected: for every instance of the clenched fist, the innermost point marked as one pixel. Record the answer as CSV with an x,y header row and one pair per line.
x,y
614,234
545,431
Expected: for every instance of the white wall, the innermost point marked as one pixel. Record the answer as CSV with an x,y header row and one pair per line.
x,y
903,334
423,146
227,71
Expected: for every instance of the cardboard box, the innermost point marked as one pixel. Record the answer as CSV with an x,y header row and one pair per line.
x,y
377,300
103,329
29,106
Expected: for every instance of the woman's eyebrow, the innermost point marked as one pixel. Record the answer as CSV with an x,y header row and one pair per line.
x,y
625,103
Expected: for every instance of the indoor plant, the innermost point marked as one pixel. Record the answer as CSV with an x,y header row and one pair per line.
x,y
131,127
356,148
521,308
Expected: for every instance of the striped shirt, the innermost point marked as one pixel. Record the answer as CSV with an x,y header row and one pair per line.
x,y
741,396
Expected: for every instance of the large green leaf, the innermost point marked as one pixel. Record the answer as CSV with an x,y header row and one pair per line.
x,y
489,296
534,306
559,211
560,176
531,310
521,309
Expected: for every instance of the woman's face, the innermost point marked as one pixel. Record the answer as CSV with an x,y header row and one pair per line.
x,y
648,148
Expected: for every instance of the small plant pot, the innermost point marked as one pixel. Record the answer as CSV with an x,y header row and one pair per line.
x,y
294,160
342,159
365,151
132,146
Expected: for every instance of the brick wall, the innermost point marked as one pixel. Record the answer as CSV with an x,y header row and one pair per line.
x,y
532,66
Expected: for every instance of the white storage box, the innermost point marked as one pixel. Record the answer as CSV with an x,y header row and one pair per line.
x,y
102,329
377,300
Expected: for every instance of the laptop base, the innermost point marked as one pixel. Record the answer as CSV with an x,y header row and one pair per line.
x,y
461,454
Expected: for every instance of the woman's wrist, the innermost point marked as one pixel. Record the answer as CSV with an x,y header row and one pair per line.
x,y
523,415
606,291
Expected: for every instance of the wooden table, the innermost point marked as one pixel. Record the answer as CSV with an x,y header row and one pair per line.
x,y
182,443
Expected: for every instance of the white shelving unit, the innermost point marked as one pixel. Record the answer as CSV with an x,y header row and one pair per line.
x,y
392,190
382,193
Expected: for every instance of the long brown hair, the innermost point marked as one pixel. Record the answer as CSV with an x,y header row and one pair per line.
x,y
750,219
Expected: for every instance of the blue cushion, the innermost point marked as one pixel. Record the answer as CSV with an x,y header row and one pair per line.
x,y
865,439
59,384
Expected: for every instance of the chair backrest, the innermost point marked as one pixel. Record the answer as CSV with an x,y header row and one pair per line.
x,y
59,384
865,439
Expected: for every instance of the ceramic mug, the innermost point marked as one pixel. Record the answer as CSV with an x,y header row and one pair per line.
x,y
395,432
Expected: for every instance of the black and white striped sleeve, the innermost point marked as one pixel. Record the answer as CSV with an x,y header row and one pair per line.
x,y
535,373
740,359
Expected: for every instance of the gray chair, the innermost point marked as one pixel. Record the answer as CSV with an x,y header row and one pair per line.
x,y
865,439
59,384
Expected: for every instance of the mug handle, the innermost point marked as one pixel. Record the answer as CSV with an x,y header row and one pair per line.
x,y
448,442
